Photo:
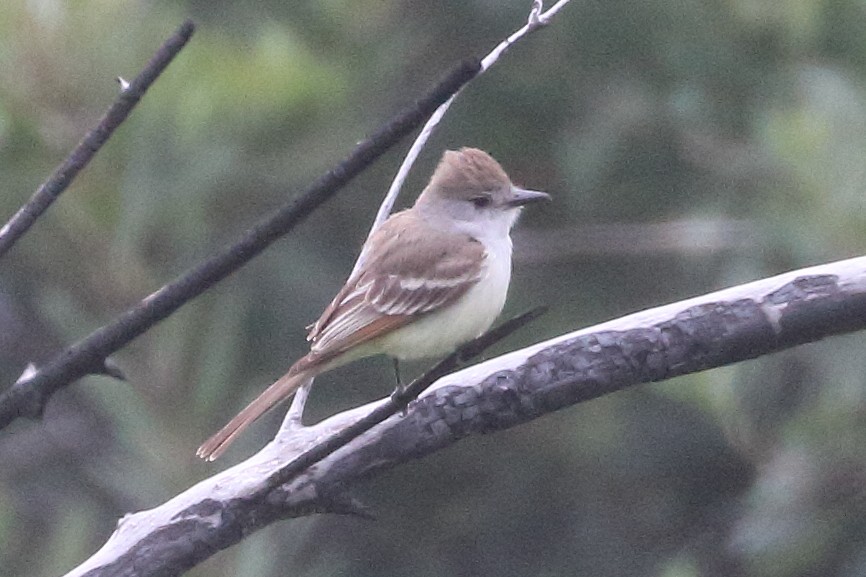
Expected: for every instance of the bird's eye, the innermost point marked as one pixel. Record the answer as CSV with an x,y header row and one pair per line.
x,y
481,201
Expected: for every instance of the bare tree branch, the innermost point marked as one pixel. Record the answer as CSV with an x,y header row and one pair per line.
x,y
61,178
537,18
27,397
709,331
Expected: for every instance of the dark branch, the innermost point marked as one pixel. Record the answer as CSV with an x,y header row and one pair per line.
x,y
28,396
63,175
400,399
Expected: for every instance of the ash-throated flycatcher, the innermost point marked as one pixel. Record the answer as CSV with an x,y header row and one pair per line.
x,y
434,276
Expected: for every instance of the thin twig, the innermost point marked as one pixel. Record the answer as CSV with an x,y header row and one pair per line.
x,y
28,396
401,398
83,153
537,19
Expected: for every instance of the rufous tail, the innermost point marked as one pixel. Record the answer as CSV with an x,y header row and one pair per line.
x,y
281,390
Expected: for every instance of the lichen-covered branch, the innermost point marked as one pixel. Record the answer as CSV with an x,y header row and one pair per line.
x,y
709,331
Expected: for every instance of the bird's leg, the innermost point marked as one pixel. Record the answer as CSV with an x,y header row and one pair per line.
x,y
397,379
399,389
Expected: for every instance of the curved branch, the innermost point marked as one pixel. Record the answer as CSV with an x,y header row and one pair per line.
x,y
713,330
537,18
28,396
81,155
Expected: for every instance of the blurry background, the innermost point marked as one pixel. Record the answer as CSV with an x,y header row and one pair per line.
x,y
689,145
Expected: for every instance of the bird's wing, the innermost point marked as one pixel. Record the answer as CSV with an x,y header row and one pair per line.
x,y
410,270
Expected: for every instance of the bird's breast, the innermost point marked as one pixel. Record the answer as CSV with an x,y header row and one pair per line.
x,y
440,332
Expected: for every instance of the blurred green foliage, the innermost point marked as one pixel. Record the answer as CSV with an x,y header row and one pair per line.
x,y
744,119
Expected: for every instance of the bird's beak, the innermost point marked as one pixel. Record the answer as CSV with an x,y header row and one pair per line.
x,y
521,196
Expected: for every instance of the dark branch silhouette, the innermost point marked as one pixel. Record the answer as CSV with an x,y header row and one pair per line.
x,y
694,335
28,396
84,152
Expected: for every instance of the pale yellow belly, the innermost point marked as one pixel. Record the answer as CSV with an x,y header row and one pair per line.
x,y
440,332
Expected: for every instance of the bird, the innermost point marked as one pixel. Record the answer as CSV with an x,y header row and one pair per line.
x,y
431,278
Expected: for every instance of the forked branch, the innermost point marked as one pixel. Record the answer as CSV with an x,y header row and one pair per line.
x,y
28,396
83,153
717,329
